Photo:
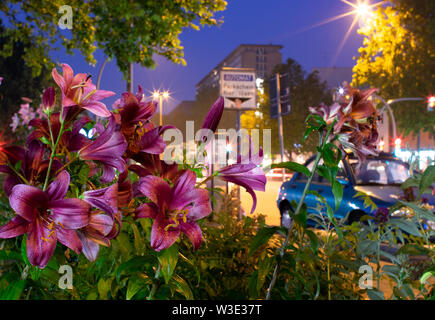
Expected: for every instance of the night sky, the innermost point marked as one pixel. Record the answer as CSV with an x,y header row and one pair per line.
x,y
285,22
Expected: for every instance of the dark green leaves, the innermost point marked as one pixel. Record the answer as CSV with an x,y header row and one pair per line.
x,y
262,237
427,179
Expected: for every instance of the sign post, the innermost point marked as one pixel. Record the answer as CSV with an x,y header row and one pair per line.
x,y
280,106
239,90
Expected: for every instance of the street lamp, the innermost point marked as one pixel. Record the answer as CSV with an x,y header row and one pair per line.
x,y
161,95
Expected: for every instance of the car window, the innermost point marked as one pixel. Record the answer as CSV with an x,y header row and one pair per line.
x,y
381,171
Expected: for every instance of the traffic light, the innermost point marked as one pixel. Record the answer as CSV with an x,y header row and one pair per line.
x,y
430,103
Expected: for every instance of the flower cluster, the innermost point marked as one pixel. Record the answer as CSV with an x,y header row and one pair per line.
x,y
25,114
74,188
354,119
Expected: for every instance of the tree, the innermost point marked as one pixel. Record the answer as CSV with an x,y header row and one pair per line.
x,y
131,31
18,81
397,57
305,90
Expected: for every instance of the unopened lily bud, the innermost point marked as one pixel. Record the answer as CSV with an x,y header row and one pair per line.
x,y
49,99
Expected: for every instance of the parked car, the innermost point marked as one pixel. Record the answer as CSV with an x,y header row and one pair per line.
x,y
380,177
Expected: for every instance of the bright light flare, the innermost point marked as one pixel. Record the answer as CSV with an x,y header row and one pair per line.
x,y
362,9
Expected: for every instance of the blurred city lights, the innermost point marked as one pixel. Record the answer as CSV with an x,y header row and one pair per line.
x,y
381,145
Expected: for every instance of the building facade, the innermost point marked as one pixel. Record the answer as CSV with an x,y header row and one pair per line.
x,y
262,58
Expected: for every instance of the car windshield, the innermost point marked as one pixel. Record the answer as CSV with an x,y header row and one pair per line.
x,y
381,171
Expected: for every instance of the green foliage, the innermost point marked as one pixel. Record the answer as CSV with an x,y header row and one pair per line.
x,y
128,31
292,166
397,57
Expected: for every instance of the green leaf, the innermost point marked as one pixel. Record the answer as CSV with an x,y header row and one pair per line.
x,y
420,212
375,294
13,290
10,255
427,179
168,259
135,284
413,249
181,286
136,264
331,218
318,195
261,238
190,262
406,225
292,166
45,140
337,191
331,155
425,276
314,240
367,247
301,218
264,267
18,166
139,243
252,286
83,174
103,287
368,202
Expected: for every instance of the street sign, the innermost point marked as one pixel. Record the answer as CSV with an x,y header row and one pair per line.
x,y
238,88
285,96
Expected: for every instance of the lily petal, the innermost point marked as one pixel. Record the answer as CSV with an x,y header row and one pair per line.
x,y
25,200
70,239
41,243
70,213
193,232
14,228
58,189
161,238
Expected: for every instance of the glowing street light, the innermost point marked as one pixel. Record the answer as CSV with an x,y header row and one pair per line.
x,y
161,95
430,103
362,9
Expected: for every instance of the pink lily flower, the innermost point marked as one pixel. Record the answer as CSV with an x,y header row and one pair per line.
x,y
174,209
246,173
96,233
107,149
78,90
46,217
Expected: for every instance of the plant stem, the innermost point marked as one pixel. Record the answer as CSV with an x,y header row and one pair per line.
x,y
298,209
206,180
54,147
155,284
65,165
378,267
329,279
17,173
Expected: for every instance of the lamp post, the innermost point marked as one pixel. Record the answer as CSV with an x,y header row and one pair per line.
x,y
160,95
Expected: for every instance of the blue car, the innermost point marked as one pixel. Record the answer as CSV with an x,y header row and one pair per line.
x,y
379,177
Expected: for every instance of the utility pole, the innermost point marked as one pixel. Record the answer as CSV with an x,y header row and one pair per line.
x,y
280,128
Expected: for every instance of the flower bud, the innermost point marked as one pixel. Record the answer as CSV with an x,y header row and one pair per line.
x,y
49,99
